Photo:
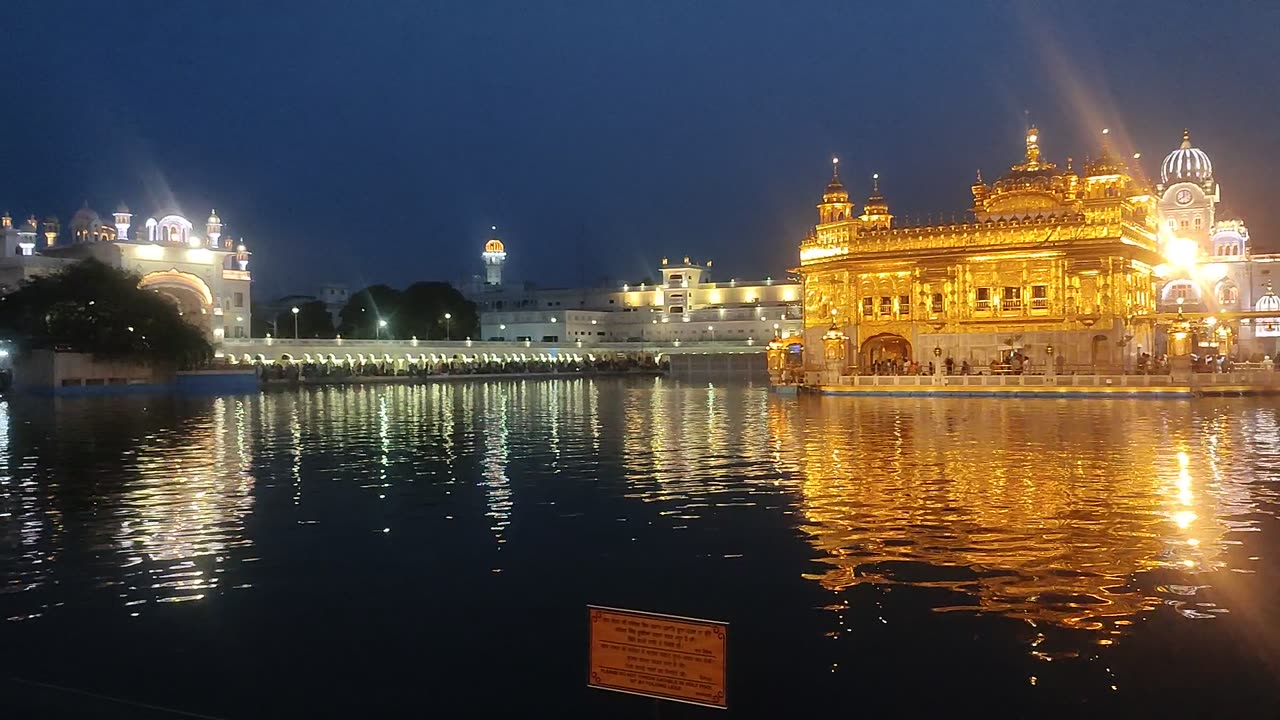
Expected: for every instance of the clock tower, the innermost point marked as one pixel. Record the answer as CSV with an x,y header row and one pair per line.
x,y
1188,194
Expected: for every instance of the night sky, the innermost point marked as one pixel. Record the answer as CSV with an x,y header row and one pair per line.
x,y
364,142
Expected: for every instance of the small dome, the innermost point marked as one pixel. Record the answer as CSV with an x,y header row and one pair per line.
x,y
876,204
85,217
1187,163
1268,302
213,217
494,246
835,191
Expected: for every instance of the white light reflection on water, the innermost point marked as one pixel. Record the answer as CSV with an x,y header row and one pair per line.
x,y
1082,517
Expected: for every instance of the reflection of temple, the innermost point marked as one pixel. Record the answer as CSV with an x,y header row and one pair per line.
x,y
206,277
1016,511
1052,259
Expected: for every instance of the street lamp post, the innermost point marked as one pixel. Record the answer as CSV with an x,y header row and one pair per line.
x,y
503,328
712,330
295,311
447,318
377,334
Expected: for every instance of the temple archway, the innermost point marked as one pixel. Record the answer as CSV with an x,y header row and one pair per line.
x,y
188,292
885,346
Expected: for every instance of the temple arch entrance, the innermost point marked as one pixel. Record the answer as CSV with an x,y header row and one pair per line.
x,y
882,347
187,292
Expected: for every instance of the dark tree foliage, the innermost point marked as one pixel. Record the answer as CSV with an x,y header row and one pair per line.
x,y
359,319
425,304
91,307
417,311
313,321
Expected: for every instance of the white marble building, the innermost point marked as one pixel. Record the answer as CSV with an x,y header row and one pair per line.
x,y
684,305
205,274
1212,267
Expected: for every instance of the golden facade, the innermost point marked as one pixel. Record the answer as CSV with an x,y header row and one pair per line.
x,y
1052,261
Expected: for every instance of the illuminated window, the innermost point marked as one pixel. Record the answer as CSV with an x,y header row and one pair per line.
x,y
1197,222
1012,298
904,306
937,303
1181,291
886,305
984,299
1184,224
868,307
1228,295
1039,297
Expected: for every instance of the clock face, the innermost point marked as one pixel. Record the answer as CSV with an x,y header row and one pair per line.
x,y
1183,197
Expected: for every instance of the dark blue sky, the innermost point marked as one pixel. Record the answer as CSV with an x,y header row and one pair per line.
x,y
377,141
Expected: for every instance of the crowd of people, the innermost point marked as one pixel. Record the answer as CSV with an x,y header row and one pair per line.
x,y
380,369
1018,363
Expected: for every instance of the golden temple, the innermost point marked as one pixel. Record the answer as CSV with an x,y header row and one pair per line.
x,y
1053,261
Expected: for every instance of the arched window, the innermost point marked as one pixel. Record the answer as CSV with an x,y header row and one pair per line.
x,y
1197,222
1228,294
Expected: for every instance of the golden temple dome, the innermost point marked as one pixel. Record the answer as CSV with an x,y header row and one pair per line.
x,y
494,246
1031,188
835,191
1107,162
876,204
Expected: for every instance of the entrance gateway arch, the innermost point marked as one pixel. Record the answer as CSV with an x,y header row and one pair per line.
x,y
885,346
188,292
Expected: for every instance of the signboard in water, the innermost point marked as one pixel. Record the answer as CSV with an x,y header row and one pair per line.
x,y
660,656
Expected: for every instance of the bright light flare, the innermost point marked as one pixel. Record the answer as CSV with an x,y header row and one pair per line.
x,y
1181,252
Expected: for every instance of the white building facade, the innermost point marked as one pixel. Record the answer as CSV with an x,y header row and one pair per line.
x,y
1212,267
205,274
685,305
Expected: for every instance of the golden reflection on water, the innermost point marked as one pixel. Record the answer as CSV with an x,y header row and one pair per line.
x,y
1046,511
1055,512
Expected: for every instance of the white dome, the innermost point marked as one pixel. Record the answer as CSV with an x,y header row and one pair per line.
x,y
1186,163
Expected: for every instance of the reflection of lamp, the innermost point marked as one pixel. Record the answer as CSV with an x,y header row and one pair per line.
x,y
1048,350
937,351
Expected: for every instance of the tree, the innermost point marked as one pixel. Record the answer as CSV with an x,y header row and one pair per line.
x,y
417,311
91,307
313,321
424,305
359,319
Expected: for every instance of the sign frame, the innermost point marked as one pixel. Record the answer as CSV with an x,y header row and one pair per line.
x,y
719,627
